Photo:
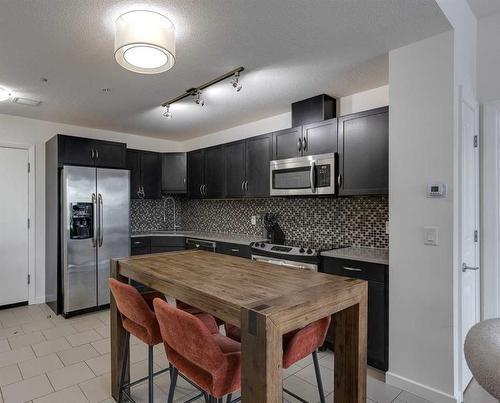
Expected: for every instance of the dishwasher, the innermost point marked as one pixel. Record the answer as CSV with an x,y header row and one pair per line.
x,y
200,244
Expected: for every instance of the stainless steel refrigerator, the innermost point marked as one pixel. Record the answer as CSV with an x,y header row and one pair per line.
x,y
94,229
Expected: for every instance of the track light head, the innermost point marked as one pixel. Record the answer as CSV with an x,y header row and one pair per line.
x,y
198,100
167,112
235,82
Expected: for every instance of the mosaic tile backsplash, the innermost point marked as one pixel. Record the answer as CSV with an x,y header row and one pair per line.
x,y
326,222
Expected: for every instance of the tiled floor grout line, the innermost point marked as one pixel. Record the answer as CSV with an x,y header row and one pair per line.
x,y
399,394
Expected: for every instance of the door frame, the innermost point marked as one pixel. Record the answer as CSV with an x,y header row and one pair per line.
x,y
32,297
490,199
457,261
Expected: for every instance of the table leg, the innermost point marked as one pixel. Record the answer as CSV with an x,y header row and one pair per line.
x,y
117,339
262,359
350,353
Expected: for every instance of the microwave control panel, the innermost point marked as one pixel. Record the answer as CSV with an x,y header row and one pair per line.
x,y
323,175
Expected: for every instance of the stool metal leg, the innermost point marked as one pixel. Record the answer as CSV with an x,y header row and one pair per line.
x,y
318,377
173,383
126,342
150,374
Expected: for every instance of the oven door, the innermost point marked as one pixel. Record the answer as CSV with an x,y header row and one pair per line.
x,y
286,263
312,175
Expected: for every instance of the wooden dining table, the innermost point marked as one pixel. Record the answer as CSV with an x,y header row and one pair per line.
x,y
266,301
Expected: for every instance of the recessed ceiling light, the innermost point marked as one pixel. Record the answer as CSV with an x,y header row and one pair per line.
x,y
4,94
145,42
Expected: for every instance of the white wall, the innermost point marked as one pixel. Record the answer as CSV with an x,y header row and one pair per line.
x,y
360,101
30,132
421,140
488,58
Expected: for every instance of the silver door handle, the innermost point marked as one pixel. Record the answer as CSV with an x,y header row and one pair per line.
x,y
352,268
94,224
312,175
101,220
235,250
246,186
96,154
243,186
465,268
299,144
304,142
339,180
92,154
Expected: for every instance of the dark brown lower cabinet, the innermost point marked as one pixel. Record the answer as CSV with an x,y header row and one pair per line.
x,y
233,249
377,276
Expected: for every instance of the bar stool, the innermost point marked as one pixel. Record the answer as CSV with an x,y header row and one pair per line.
x,y
296,346
211,361
139,319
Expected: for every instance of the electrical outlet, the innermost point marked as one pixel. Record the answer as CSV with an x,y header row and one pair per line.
x,y
254,220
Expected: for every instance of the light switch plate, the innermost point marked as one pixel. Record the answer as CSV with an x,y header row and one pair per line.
x,y
431,235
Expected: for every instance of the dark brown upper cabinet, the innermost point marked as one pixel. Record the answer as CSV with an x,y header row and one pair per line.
x,y
319,137
145,174
311,139
363,147
287,143
174,173
247,167
87,152
206,174
214,172
196,173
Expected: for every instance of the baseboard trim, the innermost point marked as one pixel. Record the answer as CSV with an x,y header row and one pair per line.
x,y
40,300
419,389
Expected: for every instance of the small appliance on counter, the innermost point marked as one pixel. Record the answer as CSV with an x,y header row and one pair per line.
x,y
273,231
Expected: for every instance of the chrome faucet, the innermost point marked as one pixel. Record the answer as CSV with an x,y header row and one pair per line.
x,y
175,226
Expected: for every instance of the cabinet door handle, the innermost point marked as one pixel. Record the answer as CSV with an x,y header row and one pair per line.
x,y
201,190
137,243
339,180
243,186
246,186
96,154
204,190
235,250
92,154
305,143
352,268
184,181
299,144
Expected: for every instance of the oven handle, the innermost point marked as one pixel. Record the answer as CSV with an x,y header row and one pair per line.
x,y
312,176
280,263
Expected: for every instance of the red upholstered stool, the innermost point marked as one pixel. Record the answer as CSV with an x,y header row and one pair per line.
x,y
296,346
211,361
139,319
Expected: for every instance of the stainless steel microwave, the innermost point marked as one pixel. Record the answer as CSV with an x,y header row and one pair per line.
x,y
311,175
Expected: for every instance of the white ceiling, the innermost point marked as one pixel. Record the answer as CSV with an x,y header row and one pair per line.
x,y
291,50
484,8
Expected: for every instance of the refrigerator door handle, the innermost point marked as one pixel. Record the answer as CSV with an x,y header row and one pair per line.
x,y
94,220
101,220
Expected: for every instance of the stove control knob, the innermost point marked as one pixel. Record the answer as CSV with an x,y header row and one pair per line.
x,y
309,251
302,250
262,245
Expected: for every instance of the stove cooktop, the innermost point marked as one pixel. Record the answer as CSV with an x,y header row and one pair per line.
x,y
260,247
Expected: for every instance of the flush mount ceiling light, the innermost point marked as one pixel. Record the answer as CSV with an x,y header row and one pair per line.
x,y
4,94
145,42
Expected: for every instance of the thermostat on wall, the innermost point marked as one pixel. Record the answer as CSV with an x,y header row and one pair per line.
x,y
436,190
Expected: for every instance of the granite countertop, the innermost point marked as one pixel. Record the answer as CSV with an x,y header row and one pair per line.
x,y
209,236
371,255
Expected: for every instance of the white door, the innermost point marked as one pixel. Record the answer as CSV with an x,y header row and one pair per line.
x,y
13,225
470,273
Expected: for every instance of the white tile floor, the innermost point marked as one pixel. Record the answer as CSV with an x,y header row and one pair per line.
x,y
48,359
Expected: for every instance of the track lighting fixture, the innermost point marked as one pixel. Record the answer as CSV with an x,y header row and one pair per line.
x,y
167,113
198,100
196,92
235,82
